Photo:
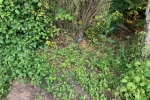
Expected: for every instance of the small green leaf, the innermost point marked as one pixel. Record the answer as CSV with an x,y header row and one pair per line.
x,y
137,79
148,87
49,89
124,81
126,95
35,1
47,81
1,1
39,4
147,74
42,74
7,36
126,77
137,96
70,18
148,63
1,40
102,36
131,86
137,63
123,89
111,40
6,78
110,29
98,43
128,1
18,71
129,65
142,84
17,12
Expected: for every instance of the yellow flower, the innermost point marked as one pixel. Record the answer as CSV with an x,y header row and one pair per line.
x,y
100,17
53,43
48,42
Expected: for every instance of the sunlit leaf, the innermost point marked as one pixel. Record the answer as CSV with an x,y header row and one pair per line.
x,y
137,63
124,80
142,84
39,4
126,95
148,63
137,79
1,40
123,89
147,74
17,12
131,86
1,1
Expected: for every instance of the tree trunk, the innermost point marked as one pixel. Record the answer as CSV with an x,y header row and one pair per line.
x,y
82,11
147,30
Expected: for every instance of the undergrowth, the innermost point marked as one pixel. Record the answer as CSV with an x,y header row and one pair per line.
x,y
100,71
112,69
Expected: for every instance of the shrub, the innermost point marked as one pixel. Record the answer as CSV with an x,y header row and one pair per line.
x,y
135,83
27,20
24,25
102,25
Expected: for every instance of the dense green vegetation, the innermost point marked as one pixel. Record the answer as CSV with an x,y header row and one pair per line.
x,y
108,67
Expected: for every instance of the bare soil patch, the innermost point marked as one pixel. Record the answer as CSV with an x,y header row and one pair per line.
x,y
28,92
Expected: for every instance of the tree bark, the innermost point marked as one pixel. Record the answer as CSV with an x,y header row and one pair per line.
x,y
147,30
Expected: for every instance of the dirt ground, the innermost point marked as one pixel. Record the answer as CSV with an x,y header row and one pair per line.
x,y
28,92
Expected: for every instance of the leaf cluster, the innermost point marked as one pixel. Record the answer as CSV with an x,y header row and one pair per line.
x,y
24,26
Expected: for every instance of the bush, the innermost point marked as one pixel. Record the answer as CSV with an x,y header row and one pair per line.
x,y
24,26
135,84
102,25
133,11
25,20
